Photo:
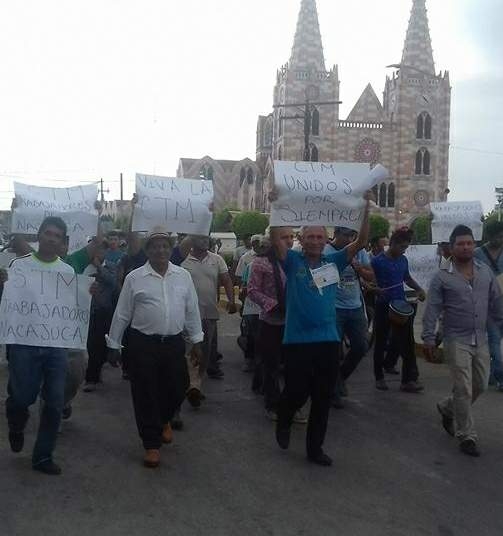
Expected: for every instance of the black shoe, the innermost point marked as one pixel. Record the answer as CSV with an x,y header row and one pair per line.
x,y
48,467
194,397
67,412
337,402
177,424
125,375
469,447
219,356
16,440
447,422
412,387
283,437
215,374
392,370
321,459
381,385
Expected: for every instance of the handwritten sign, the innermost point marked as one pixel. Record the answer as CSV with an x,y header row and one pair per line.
x,y
322,193
45,308
423,264
446,216
180,205
5,258
75,206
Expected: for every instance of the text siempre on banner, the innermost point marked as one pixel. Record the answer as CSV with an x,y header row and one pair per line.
x,y
446,216
322,193
180,205
45,308
75,206
423,264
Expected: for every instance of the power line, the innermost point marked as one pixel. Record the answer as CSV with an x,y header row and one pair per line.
x,y
473,150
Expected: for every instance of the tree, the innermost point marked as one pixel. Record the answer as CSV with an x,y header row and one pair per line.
x,y
379,226
422,230
222,221
249,223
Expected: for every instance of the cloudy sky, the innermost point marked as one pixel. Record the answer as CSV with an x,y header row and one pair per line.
x,y
92,88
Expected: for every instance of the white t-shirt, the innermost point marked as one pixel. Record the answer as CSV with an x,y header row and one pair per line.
x,y
32,261
244,261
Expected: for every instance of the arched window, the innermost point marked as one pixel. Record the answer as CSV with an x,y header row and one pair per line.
x,y
280,153
242,176
206,172
427,127
268,133
280,125
424,126
314,154
382,195
420,127
250,176
375,190
391,195
315,122
423,162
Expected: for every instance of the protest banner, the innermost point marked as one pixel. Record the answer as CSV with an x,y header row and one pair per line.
x,y
446,216
423,263
180,205
322,193
5,258
45,308
75,206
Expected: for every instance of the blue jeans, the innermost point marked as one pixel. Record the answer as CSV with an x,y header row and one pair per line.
x,y
353,324
30,369
494,337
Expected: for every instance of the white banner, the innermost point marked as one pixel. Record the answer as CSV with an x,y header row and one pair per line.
x,y
446,216
180,205
75,206
44,308
322,193
423,264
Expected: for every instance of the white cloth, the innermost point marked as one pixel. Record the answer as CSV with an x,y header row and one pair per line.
x,y
157,305
244,261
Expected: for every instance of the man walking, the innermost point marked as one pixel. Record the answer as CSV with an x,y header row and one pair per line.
x,y
467,293
159,301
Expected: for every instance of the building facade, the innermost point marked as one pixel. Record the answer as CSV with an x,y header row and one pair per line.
x,y
407,132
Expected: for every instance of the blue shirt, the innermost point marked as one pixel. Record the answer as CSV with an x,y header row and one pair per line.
x,y
349,294
390,275
310,315
481,255
114,256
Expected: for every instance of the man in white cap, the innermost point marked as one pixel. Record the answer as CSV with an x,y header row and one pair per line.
x,y
159,301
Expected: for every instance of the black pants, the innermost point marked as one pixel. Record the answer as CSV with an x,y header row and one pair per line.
x,y
401,341
270,350
310,371
159,380
99,326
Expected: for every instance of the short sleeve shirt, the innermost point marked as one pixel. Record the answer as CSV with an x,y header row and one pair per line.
x,y
79,260
390,276
244,261
205,275
310,315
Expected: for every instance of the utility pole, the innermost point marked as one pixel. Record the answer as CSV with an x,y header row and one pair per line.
x,y
306,114
103,191
122,188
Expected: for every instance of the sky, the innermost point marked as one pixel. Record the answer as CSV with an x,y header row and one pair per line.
x,y
90,89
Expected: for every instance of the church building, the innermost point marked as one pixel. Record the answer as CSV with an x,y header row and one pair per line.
x,y
407,132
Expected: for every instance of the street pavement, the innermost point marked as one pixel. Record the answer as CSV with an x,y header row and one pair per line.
x,y
396,472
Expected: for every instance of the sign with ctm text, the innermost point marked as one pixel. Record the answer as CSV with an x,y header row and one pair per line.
x,y
180,205
45,308
322,193
75,206
446,216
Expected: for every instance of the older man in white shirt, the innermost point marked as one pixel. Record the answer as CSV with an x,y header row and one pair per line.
x,y
159,301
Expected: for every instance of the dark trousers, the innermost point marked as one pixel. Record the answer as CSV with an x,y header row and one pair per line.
x,y
401,340
99,326
353,324
310,371
159,380
270,350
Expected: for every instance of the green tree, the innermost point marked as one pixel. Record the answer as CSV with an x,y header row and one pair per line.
x,y
379,226
249,223
222,221
422,230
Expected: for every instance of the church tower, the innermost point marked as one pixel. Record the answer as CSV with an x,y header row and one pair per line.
x,y
304,80
417,106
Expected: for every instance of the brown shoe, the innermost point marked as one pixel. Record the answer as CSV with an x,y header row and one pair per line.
x,y
167,434
152,458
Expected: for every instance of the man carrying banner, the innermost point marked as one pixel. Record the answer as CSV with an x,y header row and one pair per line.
x,y
467,293
311,340
159,302
32,367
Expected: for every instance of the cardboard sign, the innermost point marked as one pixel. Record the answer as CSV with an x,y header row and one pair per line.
x,y
75,206
322,193
45,308
180,205
423,264
446,216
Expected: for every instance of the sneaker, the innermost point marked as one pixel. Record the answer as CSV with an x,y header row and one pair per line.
x,y
48,467
194,397
447,421
67,412
392,370
90,387
299,418
271,414
469,447
16,440
381,385
412,387
321,459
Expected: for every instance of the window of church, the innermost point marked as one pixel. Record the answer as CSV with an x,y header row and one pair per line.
x,y
280,126
426,162
427,127
207,172
314,154
382,195
280,153
423,162
315,122
242,176
391,195
250,176
424,124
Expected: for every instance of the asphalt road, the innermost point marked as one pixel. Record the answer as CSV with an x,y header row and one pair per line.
x,y
396,472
